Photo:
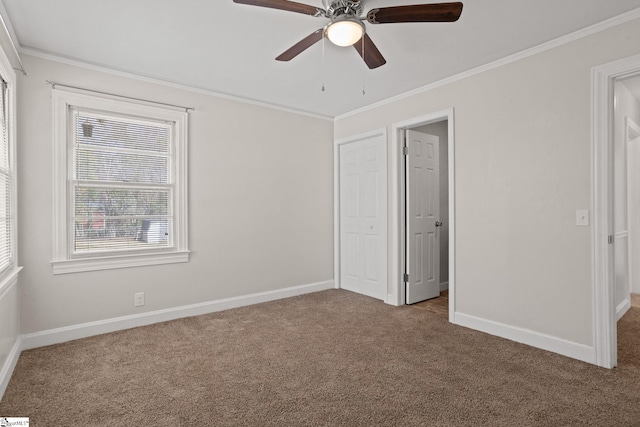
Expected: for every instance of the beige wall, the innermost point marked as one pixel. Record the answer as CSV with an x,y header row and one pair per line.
x,y
522,169
260,205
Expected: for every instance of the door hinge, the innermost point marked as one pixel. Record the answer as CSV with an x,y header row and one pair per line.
x,y
610,239
405,151
406,278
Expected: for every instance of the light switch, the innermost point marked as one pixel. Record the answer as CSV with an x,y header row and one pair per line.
x,y
582,217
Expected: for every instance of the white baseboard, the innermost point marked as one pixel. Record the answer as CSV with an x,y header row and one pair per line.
x,y
9,365
444,286
68,333
623,308
529,337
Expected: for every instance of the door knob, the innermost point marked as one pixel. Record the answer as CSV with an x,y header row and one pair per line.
x,y
438,223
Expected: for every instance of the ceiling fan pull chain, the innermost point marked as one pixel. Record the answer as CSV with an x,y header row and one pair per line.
x,y
322,68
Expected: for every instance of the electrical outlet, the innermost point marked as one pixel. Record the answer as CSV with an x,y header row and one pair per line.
x,y
138,299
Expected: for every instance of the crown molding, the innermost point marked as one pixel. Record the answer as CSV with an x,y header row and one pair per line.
x,y
9,41
159,81
560,41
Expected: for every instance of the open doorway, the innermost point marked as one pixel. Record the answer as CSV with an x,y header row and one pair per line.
x,y
423,193
612,232
427,212
626,148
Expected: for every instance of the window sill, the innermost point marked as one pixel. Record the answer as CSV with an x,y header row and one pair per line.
x,y
112,262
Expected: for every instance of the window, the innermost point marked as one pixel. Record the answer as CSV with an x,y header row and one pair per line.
x,y
119,183
7,186
6,179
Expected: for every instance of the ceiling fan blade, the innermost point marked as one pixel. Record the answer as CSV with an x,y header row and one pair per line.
x,y
437,12
372,56
301,46
282,5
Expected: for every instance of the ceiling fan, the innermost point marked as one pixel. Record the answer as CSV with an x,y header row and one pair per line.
x,y
346,26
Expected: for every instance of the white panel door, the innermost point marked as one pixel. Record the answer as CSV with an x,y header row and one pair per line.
x,y
423,217
363,219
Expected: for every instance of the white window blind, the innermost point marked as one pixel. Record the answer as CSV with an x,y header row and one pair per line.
x,y
120,183
6,185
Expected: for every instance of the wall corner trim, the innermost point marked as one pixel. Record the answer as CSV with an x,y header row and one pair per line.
x,y
550,343
9,365
84,330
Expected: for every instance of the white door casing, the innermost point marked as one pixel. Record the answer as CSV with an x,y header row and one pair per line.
x,y
362,216
423,217
397,215
604,325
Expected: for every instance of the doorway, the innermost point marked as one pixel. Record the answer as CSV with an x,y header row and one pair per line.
x,y
426,212
626,148
632,143
439,125
613,271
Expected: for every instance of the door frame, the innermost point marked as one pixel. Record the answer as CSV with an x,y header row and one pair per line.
x,y
336,196
603,78
396,197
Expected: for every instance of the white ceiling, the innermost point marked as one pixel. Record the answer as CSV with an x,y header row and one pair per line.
x,y
230,48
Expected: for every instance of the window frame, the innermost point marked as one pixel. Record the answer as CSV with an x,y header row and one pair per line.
x,y
64,261
9,276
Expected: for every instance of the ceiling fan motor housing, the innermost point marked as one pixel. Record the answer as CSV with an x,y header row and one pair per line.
x,y
339,8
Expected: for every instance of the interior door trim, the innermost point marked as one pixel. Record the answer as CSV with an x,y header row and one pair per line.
x,y
336,196
603,78
396,235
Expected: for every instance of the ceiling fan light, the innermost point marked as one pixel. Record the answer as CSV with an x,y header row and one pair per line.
x,y
345,31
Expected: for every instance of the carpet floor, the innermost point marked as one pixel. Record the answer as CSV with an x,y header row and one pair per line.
x,y
331,358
